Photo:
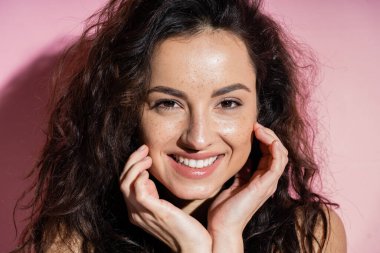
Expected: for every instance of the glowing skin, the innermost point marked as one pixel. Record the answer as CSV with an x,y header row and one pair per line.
x,y
189,115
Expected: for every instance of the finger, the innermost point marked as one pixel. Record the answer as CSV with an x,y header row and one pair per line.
x,y
263,135
271,132
277,164
272,166
279,153
264,139
136,156
267,136
238,181
266,129
146,194
144,187
132,173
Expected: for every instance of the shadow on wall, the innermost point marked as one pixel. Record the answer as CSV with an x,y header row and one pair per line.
x,y
23,118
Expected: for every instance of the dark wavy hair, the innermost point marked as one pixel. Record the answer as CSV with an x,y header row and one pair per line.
x,y
102,82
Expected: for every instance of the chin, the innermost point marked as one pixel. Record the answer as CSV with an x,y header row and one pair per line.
x,y
193,192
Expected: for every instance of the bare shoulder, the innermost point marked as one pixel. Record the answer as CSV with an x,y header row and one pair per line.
x,y
330,233
336,234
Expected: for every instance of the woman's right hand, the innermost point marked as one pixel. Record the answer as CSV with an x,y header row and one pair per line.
x,y
180,231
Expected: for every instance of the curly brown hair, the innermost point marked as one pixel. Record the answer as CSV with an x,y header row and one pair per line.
x,y
101,86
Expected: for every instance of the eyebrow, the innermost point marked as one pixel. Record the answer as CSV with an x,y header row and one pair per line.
x,y
216,93
230,88
168,90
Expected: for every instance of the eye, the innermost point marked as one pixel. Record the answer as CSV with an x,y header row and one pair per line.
x,y
166,104
230,103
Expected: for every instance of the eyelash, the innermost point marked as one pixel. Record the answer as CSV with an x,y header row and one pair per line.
x,y
163,104
160,104
228,100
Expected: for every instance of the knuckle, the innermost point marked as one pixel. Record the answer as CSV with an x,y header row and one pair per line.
x,y
286,160
140,197
134,218
124,188
270,190
257,187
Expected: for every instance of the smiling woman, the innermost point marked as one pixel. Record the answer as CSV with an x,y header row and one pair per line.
x,y
204,114
181,126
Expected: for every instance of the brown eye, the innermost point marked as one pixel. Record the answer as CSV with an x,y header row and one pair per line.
x,y
230,104
166,104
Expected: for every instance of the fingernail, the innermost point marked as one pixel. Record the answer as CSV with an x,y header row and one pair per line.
x,y
142,147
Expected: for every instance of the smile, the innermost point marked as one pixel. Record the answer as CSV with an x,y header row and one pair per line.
x,y
195,164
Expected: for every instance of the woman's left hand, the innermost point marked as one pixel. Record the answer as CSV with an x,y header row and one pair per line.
x,y
234,207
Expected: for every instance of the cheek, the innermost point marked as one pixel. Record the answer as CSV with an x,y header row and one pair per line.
x,y
159,133
237,131
158,130
238,135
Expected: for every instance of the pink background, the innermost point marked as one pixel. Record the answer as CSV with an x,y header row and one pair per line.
x,y
343,33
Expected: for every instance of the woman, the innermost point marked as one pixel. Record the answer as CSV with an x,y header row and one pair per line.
x,y
154,143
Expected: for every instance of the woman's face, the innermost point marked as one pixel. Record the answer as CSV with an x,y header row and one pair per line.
x,y
200,111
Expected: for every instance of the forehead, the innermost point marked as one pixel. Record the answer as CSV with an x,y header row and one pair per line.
x,y
206,59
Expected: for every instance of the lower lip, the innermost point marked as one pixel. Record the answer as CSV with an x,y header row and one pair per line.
x,y
191,173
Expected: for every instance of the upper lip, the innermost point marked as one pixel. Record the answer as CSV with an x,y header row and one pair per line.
x,y
196,156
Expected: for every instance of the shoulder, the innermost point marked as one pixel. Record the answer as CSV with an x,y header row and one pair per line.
x,y
328,230
336,235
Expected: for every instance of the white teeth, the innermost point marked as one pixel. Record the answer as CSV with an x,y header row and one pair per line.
x,y
192,163
209,161
196,164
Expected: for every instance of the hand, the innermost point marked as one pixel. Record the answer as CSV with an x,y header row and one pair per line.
x,y
235,206
180,231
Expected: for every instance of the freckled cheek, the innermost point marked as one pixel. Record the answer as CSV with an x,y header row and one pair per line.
x,y
160,135
237,131
159,131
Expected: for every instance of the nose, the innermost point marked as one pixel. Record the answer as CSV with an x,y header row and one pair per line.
x,y
197,134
